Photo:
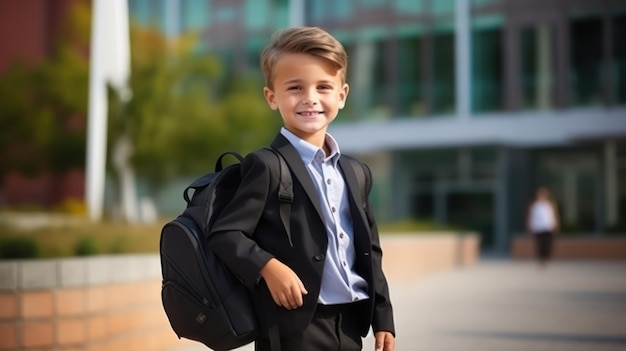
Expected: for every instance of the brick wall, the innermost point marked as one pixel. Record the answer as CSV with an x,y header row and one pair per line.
x,y
113,302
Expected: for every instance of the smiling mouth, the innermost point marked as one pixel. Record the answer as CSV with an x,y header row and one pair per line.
x,y
309,113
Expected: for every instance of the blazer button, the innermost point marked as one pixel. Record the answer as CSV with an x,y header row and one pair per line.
x,y
318,257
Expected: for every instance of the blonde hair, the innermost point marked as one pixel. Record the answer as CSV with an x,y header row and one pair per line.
x,y
303,40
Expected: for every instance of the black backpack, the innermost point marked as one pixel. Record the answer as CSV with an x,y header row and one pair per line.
x,y
203,300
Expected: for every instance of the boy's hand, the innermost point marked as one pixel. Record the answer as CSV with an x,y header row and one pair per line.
x,y
284,285
384,341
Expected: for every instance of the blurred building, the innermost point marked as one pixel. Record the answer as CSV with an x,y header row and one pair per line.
x,y
469,105
461,107
29,30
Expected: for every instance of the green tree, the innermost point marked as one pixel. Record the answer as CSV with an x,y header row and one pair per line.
x,y
183,114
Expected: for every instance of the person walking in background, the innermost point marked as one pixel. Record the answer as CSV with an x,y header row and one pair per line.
x,y
325,281
543,224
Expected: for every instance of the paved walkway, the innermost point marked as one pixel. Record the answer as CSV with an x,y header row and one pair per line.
x,y
502,305
509,306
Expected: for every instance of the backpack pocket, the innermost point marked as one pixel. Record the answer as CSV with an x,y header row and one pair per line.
x,y
186,311
192,317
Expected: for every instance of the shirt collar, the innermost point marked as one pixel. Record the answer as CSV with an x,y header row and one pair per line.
x,y
308,151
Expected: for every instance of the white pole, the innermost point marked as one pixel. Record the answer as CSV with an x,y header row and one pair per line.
x,y
110,61
97,122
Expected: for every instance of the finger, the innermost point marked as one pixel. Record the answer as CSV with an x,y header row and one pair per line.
x,y
378,344
297,294
303,290
390,343
286,302
294,297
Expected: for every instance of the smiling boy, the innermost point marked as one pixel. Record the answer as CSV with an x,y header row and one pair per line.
x,y
325,281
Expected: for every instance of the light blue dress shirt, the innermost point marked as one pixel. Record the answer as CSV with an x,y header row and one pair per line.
x,y
340,282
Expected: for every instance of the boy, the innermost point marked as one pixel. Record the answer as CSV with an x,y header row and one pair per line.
x,y
325,281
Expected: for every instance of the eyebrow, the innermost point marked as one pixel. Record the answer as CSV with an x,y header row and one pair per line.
x,y
294,81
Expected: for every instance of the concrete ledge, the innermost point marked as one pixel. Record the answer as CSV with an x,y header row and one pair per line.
x,y
407,256
574,248
77,271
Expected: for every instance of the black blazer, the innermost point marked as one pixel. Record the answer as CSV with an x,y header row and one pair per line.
x,y
250,232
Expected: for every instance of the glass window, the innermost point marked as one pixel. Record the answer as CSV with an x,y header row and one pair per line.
x,y
537,67
443,6
410,99
409,6
484,163
317,10
343,9
480,3
359,57
368,82
380,85
586,51
487,59
225,14
372,3
367,75
256,14
194,14
423,206
618,75
443,78
147,13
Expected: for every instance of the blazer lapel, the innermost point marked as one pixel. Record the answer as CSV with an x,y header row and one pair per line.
x,y
293,159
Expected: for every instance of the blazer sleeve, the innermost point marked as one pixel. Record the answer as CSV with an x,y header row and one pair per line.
x,y
382,319
232,235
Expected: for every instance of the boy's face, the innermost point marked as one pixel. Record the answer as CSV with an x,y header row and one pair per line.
x,y
308,92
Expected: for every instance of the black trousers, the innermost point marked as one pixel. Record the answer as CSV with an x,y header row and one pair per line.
x,y
334,327
543,245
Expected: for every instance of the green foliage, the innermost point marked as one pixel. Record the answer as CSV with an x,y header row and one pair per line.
x,y
79,236
120,244
86,246
17,247
184,110
183,114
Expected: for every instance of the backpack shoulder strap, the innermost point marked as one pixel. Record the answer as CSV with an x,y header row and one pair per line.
x,y
363,176
364,181
285,187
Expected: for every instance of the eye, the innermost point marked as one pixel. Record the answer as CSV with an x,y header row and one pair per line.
x,y
294,87
325,87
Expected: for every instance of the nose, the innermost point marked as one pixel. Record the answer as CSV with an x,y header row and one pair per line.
x,y
310,98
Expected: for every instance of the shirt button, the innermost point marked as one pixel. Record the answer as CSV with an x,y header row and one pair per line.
x,y
333,209
328,181
344,263
356,299
341,236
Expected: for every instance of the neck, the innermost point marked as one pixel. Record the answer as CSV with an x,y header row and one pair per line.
x,y
318,139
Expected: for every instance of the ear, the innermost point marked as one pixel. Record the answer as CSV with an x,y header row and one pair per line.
x,y
343,95
270,98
